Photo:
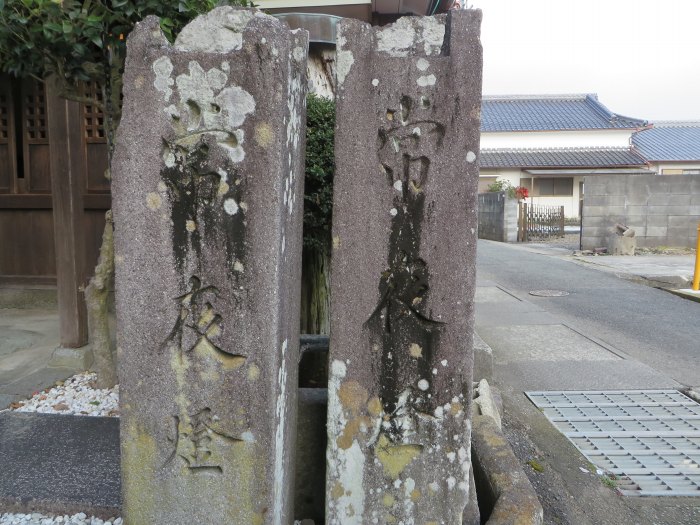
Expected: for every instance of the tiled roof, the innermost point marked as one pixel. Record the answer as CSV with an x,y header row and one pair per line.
x,y
670,141
550,113
560,158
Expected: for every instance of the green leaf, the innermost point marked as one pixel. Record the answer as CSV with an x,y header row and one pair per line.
x,y
67,28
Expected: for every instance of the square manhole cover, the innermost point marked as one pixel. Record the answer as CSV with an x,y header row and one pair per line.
x,y
649,439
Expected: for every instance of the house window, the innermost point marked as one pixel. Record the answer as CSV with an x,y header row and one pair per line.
x,y
554,186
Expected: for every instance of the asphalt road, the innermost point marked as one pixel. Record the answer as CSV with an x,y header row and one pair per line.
x,y
649,325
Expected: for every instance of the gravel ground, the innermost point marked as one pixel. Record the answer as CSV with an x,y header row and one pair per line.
x,y
42,519
77,395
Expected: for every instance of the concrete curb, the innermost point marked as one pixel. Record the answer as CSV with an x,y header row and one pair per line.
x,y
501,482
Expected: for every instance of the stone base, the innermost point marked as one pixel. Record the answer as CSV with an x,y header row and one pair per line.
x,y
28,298
619,245
77,358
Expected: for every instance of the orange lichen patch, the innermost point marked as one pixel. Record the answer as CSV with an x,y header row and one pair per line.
x,y
374,406
456,408
352,396
351,429
337,491
415,495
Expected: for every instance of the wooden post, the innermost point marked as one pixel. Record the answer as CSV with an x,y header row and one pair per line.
x,y
67,176
561,222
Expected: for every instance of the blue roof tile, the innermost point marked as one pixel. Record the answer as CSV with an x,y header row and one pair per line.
x,y
669,141
560,158
550,113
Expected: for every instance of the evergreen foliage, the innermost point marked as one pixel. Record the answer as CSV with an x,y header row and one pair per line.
x,y
320,165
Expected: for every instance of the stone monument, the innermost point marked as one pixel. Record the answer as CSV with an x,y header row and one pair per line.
x,y
403,270
208,190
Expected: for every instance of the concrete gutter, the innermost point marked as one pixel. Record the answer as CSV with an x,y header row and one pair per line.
x,y
501,482
504,491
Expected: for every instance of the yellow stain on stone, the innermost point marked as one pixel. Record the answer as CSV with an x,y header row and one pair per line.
x,y
337,491
253,372
190,226
232,362
264,135
415,495
388,500
153,201
211,376
138,81
390,519
206,317
374,406
395,458
415,350
138,470
336,242
118,259
456,408
431,523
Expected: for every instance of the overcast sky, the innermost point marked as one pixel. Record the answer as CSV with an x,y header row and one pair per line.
x,y
642,57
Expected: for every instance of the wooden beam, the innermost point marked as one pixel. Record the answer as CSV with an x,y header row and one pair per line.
x,y
67,181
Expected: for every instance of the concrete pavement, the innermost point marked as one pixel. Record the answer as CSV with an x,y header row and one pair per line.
x,y
582,341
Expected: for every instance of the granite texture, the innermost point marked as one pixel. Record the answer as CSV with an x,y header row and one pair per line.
x,y
207,193
59,464
403,267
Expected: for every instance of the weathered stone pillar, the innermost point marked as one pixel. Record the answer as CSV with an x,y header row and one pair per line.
x,y
208,188
403,274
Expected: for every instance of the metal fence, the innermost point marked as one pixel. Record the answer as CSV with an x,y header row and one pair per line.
x,y
537,222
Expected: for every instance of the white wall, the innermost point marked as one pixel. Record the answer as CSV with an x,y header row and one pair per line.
x,y
557,139
659,166
570,203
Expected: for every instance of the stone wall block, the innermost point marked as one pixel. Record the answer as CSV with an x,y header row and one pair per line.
x,y
207,191
403,266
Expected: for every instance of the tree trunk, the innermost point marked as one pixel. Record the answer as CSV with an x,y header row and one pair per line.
x,y
96,298
315,291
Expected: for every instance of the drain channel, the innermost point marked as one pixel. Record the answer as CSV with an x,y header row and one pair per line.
x,y
648,439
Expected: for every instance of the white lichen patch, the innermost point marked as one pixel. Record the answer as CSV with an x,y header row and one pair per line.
x,y
219,31
423,384
206,106
281,415
346,493
398,185
298,54
153,201
415,350
422,33
343,61
375,82
231,206
190,225
426,80
163,82
238,266
471,156
422,64
393,212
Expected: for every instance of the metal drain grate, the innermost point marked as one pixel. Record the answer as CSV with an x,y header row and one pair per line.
x,y
649,439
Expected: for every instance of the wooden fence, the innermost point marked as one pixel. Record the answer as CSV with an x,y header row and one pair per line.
x,y
540,222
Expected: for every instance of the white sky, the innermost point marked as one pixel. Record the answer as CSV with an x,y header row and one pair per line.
x,y
642,57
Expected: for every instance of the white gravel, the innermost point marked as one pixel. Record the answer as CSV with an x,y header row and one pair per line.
x,y
42,519
76,395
